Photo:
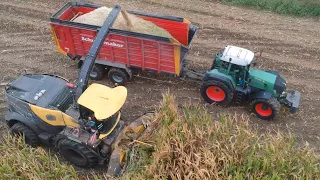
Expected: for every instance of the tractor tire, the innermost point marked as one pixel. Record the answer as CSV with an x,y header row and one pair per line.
x,y
266,109
97,72
78,154
30,137
119,76
216,92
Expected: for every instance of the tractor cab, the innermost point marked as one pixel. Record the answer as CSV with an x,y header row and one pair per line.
x,y
236,62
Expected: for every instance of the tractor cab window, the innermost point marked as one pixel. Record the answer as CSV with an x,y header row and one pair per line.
x,y
239,73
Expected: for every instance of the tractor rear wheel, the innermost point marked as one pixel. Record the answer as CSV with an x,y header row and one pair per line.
x,y
216,92
266,109
97,72
30,137
78,154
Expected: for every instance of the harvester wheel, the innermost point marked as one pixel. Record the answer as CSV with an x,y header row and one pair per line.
x,y
97,72
216,92
266,109
30,137
119,76
78,154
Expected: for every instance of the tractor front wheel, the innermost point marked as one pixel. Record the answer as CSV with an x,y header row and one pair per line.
x,y
266,109
216,92
78,154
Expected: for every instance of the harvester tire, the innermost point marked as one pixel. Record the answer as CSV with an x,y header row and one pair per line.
x,y
119,76
216,92
97,72
266,109
78,154
30,137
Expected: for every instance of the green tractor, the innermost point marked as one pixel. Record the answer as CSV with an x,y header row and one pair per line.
x,y
230,79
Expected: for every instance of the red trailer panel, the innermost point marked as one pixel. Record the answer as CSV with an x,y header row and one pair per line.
x,y
125,48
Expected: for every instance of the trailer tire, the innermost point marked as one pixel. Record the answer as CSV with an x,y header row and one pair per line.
x,y
97,72
216,92
119,76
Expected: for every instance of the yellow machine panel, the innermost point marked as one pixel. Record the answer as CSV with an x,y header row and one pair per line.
x,y
53,117
102,100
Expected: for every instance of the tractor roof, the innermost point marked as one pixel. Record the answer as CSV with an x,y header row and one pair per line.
x,y
102,100
238,56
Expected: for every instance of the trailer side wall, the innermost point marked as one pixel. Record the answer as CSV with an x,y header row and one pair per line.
x,y
123,47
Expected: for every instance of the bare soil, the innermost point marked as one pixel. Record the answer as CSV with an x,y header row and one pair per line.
x,y
291,46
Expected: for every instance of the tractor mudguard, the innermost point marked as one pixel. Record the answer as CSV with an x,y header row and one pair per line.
x,y
261,95
12,117
216,75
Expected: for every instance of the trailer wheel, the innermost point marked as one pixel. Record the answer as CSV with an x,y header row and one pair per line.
x,y
97,72
119,76
78,154
216,92
266,109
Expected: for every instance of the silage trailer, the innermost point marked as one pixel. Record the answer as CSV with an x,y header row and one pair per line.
x,y
124,50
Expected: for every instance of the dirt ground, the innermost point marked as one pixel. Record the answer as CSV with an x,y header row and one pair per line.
x,y
291,46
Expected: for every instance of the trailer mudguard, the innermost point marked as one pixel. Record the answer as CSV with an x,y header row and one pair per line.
x,y
13,117
261,95
216,75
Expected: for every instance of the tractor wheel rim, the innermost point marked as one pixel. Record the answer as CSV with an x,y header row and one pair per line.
x,y
216,93
265,112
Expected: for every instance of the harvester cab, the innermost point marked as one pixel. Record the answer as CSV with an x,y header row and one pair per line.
x,y
231,79
82,121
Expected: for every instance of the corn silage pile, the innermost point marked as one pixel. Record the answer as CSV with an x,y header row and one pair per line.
x,y
124,21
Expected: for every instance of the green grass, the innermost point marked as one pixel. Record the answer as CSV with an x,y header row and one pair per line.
x,y
309,8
